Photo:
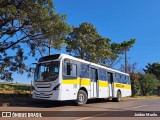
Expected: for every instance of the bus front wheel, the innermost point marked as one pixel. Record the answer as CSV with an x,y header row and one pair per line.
x,y
81,98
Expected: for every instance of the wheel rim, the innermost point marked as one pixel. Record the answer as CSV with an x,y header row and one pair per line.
x,y
81,98
119,97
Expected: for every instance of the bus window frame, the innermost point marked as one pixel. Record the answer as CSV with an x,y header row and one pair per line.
x,y
64,67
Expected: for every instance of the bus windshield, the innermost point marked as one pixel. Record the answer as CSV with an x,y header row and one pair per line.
x,y
47,71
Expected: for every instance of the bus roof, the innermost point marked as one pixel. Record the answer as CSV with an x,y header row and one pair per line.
x,y
90,63
63,56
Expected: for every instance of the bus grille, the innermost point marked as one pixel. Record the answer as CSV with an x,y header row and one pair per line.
x,y
43,85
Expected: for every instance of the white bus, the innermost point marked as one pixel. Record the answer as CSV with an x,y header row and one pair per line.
x,y
62,77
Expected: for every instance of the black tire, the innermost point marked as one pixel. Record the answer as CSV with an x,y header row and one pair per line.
x,y
81,98
118,99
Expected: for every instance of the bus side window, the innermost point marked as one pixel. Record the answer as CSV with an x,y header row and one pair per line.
x,y
128,80
122,79
125,79
103,75
118,79
84,71
68,69
74,70
71,69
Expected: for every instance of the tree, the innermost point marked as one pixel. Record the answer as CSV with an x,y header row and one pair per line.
x,y
148,83
85,42
117,51
132,68
27,24
134,77
153,68
135,84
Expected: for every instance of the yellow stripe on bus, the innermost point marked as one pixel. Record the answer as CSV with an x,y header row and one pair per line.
x,y
78,81
85,82
119,85
73,81
102,83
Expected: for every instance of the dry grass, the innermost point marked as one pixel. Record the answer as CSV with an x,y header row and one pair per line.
x,y
14,88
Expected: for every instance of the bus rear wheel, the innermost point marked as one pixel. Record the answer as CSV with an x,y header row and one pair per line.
x,y
81,98
118,99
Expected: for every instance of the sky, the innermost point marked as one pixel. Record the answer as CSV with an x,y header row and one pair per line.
x,y
118,20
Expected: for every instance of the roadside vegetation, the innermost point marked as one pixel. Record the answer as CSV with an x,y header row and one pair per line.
x,y
14,88
14,93
145,82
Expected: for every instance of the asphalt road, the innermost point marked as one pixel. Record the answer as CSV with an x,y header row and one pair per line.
x,y
95,110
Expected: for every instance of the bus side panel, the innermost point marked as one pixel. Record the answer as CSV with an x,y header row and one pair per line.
x,y
86,83
124,88
69,89
103,89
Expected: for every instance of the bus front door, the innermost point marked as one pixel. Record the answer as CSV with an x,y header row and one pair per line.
x,y
94,80
110,84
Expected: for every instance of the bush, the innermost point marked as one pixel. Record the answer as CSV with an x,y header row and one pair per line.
x,y
144,84
135,85
148,83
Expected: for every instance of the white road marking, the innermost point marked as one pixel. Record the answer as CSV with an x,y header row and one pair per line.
x,y
90,117
139,106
